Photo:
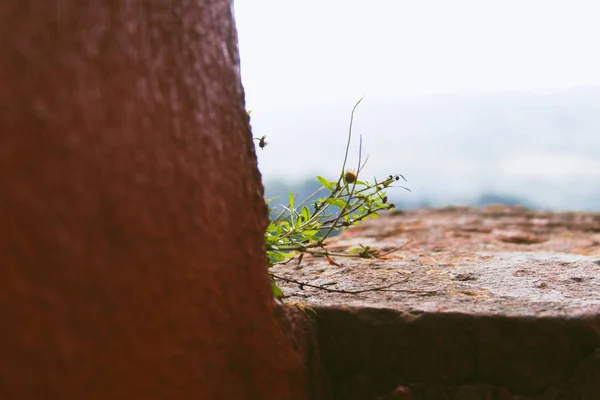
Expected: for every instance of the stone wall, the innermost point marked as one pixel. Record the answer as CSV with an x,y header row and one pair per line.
x,y
131,208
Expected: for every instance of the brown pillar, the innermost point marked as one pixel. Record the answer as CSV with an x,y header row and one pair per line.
x,y
131,208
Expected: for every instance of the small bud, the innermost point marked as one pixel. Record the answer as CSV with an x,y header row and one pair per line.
x,y
351,176
262,142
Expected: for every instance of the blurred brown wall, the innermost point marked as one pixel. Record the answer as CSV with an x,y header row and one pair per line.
x,y
131,208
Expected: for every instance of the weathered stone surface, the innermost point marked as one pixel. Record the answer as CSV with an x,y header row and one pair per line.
x,y
369,352
131,209
301,330
461,312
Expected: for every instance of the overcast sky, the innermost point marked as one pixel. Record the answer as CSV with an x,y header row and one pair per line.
x,y
305,63
311,51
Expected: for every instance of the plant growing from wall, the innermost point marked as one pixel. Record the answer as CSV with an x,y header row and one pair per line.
x,y
302,227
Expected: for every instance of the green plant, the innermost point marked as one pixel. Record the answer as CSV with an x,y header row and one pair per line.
x,y
301,228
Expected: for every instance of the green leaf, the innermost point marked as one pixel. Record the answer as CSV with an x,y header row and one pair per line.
x,y
310,232
272,198
326,183
276,256
277,292
306,214
337,202
291,209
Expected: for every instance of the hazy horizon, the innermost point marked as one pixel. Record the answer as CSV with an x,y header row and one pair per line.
x,y
454,101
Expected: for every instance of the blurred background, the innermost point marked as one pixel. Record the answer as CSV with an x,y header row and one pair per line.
x,y
474,102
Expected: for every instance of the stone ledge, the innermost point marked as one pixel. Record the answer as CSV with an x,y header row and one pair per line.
x,y
499,303
370,352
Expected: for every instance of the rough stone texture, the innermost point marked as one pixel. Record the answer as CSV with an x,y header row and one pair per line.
x,y
301,330
493,303
131,209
